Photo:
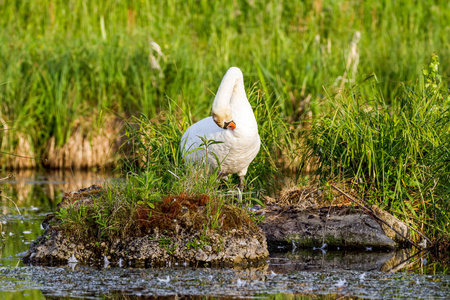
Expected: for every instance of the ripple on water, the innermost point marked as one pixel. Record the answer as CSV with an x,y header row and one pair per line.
x,y
86,281
284,274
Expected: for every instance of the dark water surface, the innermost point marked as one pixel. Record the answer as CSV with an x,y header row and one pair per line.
x,y
299,274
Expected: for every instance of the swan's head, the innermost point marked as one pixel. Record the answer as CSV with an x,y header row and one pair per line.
x,y
228,98
224,120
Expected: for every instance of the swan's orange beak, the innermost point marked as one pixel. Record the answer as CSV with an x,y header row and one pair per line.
x,y
230,125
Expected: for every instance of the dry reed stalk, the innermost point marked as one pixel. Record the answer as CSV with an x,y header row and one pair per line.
x,y
19,156
352,60
87,150
12,201
400,228
22,189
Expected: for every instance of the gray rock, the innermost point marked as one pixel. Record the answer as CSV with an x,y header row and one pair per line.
x,y
344,227
234,247
393,223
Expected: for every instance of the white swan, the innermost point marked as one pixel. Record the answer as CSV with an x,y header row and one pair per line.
x,y
233,124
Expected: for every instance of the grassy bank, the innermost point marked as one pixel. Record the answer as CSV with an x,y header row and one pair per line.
x,y
395,155
70,69
159,193
66,65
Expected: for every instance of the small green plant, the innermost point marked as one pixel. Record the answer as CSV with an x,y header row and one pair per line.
x,y
204,238
62,214
167,244
431,74
194,244
259,219
214,214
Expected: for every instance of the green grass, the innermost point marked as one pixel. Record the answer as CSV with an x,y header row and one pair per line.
x,y
351,66
395,155
154,170
61,61
155,149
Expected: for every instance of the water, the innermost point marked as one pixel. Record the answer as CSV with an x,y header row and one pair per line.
x,y
287,274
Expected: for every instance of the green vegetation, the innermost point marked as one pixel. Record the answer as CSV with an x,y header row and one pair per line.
x,y
395,155
64,65
159,188
344,71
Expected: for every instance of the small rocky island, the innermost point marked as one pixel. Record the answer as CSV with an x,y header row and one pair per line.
x,y
182,231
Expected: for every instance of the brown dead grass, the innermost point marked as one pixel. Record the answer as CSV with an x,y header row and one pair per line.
x,y
166,215
87,149
192,212
308,197
20,146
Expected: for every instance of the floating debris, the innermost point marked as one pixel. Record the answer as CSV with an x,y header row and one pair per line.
x,y
423,244
164,280
72,259
324,245
341,283
106,262
72,266
240,282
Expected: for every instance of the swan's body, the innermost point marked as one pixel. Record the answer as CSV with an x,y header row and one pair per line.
x,y
233,125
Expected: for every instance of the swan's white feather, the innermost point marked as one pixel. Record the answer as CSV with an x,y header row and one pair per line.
x,y
238,146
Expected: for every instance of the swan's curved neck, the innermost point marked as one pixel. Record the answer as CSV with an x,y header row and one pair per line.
x,y
230,89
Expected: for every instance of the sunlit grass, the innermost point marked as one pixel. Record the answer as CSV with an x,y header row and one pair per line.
x,y
60,61
154,169
68,62
395,155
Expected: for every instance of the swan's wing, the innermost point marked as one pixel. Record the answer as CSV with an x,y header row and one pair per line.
x,y
191,141
233,150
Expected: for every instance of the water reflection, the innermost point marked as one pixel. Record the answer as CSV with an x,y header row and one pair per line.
x,y
117,283
26,198
30,187
314,260
302,274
